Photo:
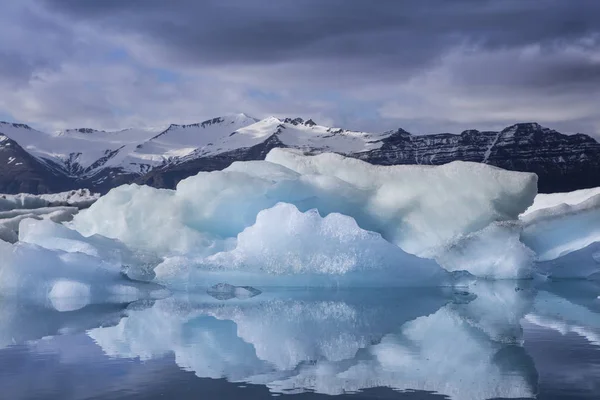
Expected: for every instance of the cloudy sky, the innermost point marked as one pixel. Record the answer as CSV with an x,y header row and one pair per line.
x,y
426,66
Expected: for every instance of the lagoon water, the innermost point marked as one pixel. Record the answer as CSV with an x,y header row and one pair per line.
x,y
505,339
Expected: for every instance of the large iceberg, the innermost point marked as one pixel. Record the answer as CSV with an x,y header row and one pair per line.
x,y
418,208
231,220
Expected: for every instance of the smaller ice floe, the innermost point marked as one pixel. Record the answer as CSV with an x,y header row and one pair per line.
x,y
54,264
565,316
339,342
548,200
81,198
225,291
417,208
559,230
584,264
565,236
11,220
136,265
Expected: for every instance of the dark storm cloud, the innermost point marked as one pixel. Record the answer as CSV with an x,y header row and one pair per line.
x,y
411,33
30,41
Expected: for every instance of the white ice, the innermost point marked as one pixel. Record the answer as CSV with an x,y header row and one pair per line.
x,y
565,236
421,209
288,247
495,252
81,198
10,220
52,262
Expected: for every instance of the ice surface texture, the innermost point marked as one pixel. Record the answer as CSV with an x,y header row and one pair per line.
x,y
344,342
566,235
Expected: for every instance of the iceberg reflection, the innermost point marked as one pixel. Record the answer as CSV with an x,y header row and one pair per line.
x,y
464,345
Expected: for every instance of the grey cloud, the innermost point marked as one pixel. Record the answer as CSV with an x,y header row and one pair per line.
x,y
429,64
411,31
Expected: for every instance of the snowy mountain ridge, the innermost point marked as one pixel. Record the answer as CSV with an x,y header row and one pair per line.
x,y
161,156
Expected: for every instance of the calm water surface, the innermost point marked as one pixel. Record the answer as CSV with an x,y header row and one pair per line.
x,y
496,340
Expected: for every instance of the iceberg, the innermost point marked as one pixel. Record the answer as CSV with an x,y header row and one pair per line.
x,y
286,247
324,220
418,208
10,220
69,273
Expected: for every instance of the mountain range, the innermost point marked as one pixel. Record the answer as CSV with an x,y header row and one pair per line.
x,y
39,162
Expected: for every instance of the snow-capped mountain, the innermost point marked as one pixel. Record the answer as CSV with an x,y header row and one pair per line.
x,y
39,162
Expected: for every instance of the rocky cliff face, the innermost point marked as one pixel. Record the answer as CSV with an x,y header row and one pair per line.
x,y
562,162
23,173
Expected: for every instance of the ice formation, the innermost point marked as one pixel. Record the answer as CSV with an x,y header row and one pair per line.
x,y
81,198
325,220
52,262
408,206
225,291
563,314
566,235
10,220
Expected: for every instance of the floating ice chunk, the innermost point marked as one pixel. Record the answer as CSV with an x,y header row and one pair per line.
x,y
10,220
556,231
339,342
31,272
55,236
584,264
225,291
495,252
23,322
563,315
549,200
286,247
418,208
